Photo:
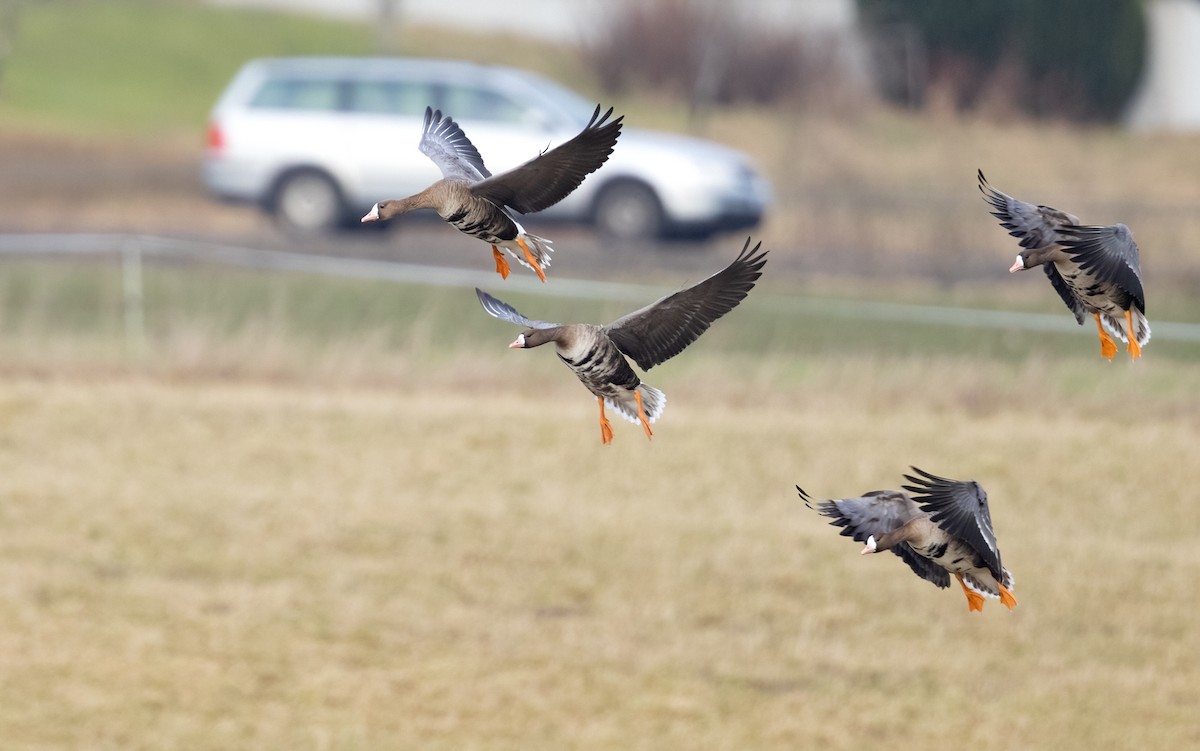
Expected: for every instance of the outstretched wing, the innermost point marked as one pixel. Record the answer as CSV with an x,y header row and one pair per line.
x,y
1110,255
877,513
505,312
443,141
1034,226
664,328
960,509
551,176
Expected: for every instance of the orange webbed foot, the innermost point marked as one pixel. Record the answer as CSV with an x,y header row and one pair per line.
x,y
637,395
501,263
1135,349
533,262
606,431
1006,598
1108,348
974,599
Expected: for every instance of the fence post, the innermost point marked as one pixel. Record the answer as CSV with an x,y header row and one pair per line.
x,y
132,299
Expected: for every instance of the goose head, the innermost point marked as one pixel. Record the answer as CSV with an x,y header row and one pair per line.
x,y
1028,259
533,338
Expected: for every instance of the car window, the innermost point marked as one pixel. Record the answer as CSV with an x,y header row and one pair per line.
x,y
297,94
389,97
468,103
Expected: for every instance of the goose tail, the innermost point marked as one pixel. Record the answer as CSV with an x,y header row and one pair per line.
x,y
539,249
654,402
1116,327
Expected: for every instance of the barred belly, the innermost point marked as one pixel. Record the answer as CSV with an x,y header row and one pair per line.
x,y
1096,296
484,220
602,369
951,555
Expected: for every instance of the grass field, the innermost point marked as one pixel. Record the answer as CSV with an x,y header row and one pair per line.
x,y
155,67
315,514
308,517
456,562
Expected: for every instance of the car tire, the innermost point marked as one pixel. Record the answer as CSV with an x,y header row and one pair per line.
x,y
629,211
308,202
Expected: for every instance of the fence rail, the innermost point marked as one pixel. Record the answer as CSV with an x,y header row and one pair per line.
x,y
134,250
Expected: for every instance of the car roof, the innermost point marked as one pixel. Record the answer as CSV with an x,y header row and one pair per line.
x,y
334,66
528,83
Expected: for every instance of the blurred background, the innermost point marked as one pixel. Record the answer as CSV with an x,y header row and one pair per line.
x,y
235,451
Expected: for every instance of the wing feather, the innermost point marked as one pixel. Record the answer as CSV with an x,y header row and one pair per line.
x,y
1109,254
551,176
664,328
1035,226
960,509
444,142
505,312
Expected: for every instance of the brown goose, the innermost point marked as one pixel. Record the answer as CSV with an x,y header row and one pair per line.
x,y
650,336
945,528
1094,269
474,201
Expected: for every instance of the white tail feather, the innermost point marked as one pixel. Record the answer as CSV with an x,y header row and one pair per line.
x,y
653,402
539,246
979,586
1116,327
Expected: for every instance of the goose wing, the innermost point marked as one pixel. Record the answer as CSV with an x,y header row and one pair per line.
x,y
960,509
664,328
551,176
1109,254
443,141
505,312
1035,226
877,513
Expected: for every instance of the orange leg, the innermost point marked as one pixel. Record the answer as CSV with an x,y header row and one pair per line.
x,y
537,267
606,434
1108,347
1007,599
642,415
1135,349
974,599
501,262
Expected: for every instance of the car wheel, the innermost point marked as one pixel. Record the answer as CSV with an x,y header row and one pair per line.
x,y
629,211
308,202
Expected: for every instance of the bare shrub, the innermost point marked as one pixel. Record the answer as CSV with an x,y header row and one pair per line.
x,y
706,52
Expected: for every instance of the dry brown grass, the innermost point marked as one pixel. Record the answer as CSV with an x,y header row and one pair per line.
x,y
872,190
441,566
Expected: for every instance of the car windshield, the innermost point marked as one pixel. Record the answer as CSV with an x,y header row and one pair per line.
x,y
560,100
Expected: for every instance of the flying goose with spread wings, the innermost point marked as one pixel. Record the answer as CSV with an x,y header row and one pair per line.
x,y
943,528
474,201
1095,269
649,336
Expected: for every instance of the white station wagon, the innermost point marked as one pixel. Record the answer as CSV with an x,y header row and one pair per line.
x,y
317,141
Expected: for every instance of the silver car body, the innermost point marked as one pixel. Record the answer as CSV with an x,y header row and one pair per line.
x,y
357,121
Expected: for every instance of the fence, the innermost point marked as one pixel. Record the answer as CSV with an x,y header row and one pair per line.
x,y
135,250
